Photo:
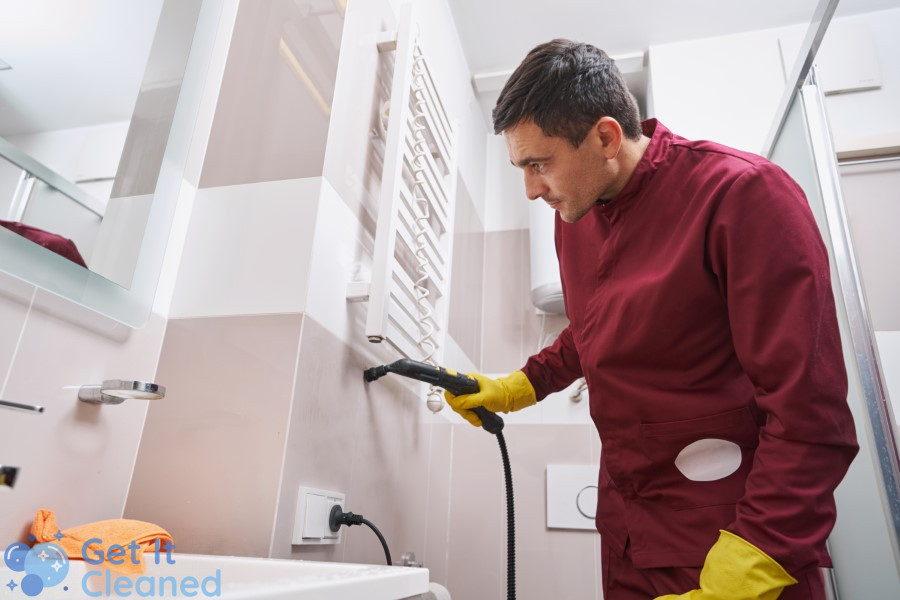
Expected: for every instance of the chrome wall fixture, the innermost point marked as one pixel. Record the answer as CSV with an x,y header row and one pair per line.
x,y
33,408
117,391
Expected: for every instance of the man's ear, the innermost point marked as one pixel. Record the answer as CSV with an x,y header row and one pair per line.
x,y
608,134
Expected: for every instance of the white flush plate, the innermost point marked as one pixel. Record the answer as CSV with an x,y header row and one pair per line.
x,y
571,496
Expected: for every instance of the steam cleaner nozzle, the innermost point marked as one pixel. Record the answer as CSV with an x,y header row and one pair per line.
x,y
375,373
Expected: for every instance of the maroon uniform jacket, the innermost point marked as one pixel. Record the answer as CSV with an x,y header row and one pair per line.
x,y
56,243
700,308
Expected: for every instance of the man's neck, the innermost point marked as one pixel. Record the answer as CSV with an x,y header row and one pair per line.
x,y
630,156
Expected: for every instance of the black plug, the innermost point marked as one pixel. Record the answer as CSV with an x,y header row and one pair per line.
x,y
338,517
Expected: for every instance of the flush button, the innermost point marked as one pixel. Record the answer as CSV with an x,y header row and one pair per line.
x,y
586,501
571,496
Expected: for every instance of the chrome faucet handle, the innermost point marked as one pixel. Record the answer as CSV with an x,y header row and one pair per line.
x,y
8,476
116,391
23,407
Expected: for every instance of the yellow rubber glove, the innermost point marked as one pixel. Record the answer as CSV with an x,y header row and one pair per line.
x,y
735,569
513,392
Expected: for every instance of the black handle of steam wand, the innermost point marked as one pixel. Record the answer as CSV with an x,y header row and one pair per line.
x,y
455,383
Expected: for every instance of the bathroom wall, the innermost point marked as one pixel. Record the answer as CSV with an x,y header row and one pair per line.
x,y
263,356
550,563
869,118
75,459
699,94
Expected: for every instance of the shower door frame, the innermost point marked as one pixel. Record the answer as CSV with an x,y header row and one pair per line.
x,y
802,87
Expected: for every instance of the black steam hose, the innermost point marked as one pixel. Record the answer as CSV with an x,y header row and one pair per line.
x,y
510,523
458,384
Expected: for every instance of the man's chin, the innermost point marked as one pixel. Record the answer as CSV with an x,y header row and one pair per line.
x,y
569,216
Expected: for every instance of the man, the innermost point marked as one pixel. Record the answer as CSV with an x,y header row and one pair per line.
x,y
701,315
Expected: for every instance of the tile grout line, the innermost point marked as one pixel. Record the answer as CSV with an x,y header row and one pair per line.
x,y
15,353
449,507
428,476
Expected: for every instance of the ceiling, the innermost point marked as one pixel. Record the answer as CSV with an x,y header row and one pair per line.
x,y
497,34
80,62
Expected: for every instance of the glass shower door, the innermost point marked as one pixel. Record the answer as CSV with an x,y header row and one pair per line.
x,y
864,543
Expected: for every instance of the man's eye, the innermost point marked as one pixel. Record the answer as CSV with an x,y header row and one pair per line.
x,y
537,167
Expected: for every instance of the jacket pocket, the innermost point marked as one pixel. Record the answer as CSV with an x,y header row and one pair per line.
x,y
657,478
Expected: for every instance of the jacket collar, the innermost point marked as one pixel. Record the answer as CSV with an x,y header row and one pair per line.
x,y
660,139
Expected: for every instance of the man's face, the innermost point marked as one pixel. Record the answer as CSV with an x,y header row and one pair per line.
x,y
569,179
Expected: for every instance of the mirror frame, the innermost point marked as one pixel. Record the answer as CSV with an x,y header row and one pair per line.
x,y
44,269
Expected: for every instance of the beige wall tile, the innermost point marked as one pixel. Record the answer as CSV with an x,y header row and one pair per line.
x,y
268,125
512,329
507,305
75,459
477,517
210,458
374,442
467,279
550,563
437,535
248,250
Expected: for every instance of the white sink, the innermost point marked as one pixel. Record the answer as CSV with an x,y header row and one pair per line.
x,y
235,578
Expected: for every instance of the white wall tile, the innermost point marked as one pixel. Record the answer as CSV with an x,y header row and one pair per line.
x,y
505,204
555,409
889,352
340,255
872,114
247,249
699,94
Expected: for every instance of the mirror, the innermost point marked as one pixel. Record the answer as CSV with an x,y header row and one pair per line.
x,y
91,96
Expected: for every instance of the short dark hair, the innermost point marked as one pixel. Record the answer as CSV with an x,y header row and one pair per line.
x,y
564,87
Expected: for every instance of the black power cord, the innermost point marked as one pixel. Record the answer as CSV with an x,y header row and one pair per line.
x,y
338,517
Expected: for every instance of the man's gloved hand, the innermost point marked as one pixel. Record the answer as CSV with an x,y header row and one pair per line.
x,y
737,570
513,392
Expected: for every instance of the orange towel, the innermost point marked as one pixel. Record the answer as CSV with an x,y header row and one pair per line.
x,y
114,531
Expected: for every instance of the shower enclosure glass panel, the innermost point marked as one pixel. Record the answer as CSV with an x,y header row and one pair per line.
x,y
868,499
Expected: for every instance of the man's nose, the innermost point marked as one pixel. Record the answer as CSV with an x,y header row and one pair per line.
x,y
535,187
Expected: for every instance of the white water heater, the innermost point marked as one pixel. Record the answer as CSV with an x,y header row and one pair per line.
x,y
546,287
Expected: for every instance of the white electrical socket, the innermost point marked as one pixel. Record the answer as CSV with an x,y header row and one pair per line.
x,y
311,516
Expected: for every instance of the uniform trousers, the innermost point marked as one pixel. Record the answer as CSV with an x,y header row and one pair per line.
x,y
623,581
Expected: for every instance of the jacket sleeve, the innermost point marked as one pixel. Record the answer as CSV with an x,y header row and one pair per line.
x,y
766,252
554,367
